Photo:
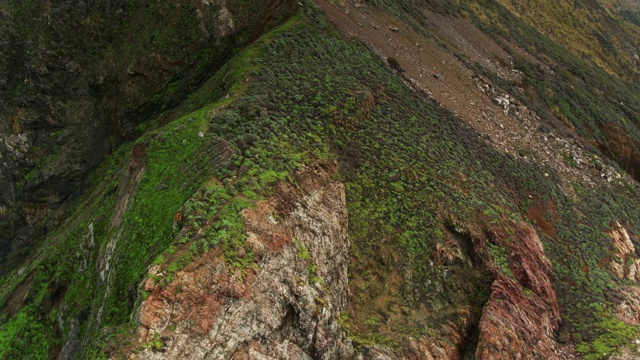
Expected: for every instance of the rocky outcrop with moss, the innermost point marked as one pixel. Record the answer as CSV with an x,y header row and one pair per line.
x,y
285,306
251,180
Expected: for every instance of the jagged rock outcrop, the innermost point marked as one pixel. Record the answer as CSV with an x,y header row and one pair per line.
x,y
625,264
436,178
629,308
285,307
522,313
518,321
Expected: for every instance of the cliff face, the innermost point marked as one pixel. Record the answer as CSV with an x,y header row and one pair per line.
x,y
78,80
336,180
522,314
286,307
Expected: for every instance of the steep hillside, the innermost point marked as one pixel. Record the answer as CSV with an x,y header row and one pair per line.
x,y
331,180
78,79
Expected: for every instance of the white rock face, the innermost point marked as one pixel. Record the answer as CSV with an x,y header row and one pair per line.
x,y
626,264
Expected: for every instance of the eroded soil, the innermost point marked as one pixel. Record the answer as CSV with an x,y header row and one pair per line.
x,y
430,62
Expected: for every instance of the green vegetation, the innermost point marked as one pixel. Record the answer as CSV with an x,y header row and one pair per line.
x,y
360,340
597,105
179,158
407,165
573,94
303,254
499,255
25,336
419,182
616,335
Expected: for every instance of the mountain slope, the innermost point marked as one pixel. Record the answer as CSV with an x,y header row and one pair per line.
x,y
79,79
369,179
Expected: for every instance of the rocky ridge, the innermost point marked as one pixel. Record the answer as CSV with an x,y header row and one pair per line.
x,y
312,199
287,307
71,101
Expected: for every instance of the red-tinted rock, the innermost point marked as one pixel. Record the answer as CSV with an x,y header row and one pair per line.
x,y
519,323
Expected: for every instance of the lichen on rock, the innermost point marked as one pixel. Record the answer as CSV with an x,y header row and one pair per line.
x,y
286,306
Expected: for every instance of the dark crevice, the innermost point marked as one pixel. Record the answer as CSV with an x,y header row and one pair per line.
x,y
481,278
290,318
468,349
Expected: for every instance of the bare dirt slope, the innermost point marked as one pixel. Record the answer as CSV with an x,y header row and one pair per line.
x,y
430,63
